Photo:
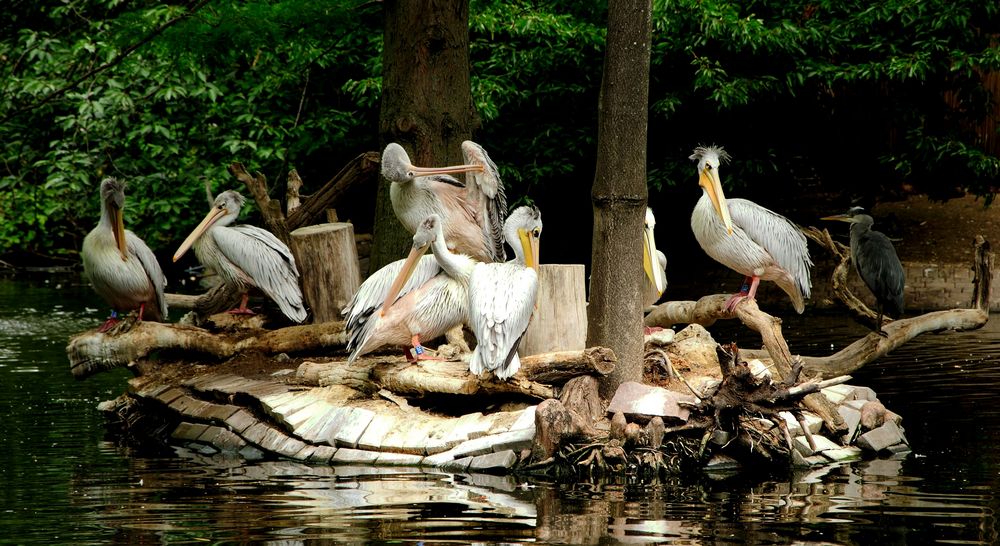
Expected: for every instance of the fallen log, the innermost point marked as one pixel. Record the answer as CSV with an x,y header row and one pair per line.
x,y
548,368
93,351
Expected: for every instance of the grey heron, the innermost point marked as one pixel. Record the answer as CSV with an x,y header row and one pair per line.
x,y
119,265
876,262
747,237
246,257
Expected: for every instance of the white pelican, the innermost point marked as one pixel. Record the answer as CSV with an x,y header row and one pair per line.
x,y
246,257
119,265
877,264
502,297
421,296
654,263
473,212
747,237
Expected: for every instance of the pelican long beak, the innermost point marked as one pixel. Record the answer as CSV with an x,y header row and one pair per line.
x,y
839,218
709,179
210,218
529,245
118,228
454,169
404,275
650,263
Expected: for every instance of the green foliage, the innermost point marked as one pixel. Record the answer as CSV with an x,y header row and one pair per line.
x,y
860,95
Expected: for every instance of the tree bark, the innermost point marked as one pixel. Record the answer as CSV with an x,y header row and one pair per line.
x,y
619,192
426,99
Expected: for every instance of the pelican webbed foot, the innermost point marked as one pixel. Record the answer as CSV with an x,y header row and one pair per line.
x,y
110,323
242,309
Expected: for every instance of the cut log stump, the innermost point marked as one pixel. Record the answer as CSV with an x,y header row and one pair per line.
x,y
328,253
562,300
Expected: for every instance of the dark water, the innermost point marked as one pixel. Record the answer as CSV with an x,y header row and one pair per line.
x,y
64,482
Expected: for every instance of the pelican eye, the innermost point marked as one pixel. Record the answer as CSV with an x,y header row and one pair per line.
x,y
536,232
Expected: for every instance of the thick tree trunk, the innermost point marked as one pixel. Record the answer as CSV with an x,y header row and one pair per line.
x,y
562,300
426,99
328,253
619,192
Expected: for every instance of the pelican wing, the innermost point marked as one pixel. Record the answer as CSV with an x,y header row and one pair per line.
x,y
501,300
137,248
486,196
268,262
371,294
778,235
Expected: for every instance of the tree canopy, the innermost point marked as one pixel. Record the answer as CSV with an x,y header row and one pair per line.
x,y
866,97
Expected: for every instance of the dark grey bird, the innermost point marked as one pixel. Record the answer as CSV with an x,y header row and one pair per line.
x,y
246,257
119,265
877,264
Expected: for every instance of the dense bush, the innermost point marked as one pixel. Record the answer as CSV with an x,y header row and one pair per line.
x,y
858,95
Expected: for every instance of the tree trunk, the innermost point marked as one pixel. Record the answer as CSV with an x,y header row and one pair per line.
x,y
328,254
426,99
619,192
562,300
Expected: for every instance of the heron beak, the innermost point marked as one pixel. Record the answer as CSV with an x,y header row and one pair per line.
x,y
650,263
404,275
118,228
839,218
529,245
454,169
210,218
709,179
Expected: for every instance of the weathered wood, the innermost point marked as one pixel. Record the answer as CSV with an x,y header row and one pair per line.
x,y
580,394
328,254
361,169
555,425
292,200
450,378
270,209
92,351
558,367
983,274
562,300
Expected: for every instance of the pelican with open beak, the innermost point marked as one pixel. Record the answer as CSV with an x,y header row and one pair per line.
x,y
119,265
246,257
748,238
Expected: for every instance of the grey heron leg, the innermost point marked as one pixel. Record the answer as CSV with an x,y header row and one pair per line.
x,y
878,323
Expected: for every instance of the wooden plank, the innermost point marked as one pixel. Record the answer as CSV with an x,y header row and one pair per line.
x,y
188,406
217,383
398,459
501,460
322,454
372,438
462,426
315,429
334,419
222,439
526,419
188,431
170,395
255,433
240,421
304,453
353,427
502,421
347,455
300,409
219,412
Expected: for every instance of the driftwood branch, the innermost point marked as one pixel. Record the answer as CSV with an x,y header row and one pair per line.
x,y
292,200
536,378
270,209
364,168
92,352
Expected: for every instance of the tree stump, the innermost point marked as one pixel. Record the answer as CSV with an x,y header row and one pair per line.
x,y
560,319
328,262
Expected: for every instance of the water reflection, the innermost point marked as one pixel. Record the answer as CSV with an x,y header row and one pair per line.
x,y
66,482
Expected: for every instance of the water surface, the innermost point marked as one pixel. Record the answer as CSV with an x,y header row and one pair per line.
x,y
66,481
